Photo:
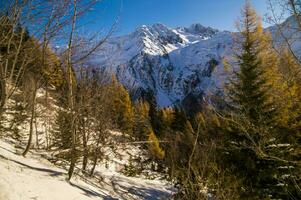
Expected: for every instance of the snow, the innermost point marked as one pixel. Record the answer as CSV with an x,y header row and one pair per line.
x,y
278,145
30,178
173,62
36,178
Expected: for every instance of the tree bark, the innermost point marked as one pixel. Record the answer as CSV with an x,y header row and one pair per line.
x,y
96,154
70,93
85,146
2,93
94,161
37,133
73,150
31,123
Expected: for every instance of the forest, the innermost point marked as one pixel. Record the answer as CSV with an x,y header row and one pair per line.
x,y
241,143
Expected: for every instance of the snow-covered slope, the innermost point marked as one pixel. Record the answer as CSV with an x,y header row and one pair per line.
x,y
288,32
170,63
175,64
36,178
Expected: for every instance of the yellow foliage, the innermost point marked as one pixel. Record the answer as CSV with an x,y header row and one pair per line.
x,y
154,146
227,66
142,109
200,120
167,115
290,71
277,86
44,63
122,110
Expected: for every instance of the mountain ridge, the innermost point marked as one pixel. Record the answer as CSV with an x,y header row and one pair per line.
x,y
176,65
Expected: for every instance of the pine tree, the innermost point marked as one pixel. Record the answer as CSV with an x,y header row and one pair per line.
x,y
248,94
154,115
179,120
142,124
61,131
254,120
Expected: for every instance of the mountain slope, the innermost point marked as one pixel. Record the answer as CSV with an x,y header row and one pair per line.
x,y
170,63
176,65
34,177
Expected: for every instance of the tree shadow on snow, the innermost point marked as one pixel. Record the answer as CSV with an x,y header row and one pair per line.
x,y
124,191
130,192
50,171
88,192
8,150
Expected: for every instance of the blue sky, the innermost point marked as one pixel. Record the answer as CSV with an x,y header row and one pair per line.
x,y
219,14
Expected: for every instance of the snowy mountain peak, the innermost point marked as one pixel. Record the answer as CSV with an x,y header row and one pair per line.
x,y
176,65
201,30
160,26
173,64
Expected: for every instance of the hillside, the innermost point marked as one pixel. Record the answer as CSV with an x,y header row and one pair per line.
x,y
34,177
42,174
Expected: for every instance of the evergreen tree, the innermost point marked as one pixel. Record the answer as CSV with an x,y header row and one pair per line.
x,y
142,124
254,122
156,115
179,120
61,131
248,93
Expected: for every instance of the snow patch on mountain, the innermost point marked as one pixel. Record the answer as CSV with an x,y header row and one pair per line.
x,y
171,63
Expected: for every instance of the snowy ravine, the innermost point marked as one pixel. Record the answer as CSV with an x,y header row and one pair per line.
x,y
177,65
36,178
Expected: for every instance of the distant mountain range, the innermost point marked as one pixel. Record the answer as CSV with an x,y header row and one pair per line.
x,y
177,65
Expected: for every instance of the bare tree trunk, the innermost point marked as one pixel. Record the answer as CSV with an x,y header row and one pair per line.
x,y
85,146
95,158
32,117
71,92
37,133
73,152
2,93
96,154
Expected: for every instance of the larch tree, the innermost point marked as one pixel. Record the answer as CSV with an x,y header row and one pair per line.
x,y
154,146
121,106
